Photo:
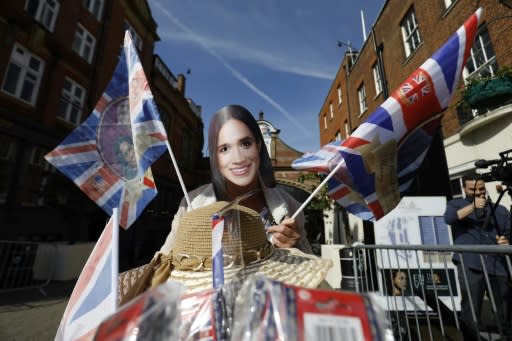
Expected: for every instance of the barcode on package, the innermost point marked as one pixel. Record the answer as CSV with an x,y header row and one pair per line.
x,y
330,327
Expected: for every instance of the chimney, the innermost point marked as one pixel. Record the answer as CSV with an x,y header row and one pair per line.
x,y
180,84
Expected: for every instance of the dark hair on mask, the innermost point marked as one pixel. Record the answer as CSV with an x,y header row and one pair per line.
x,y
236,112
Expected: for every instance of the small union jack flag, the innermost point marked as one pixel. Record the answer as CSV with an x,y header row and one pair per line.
x,y
378,162
110,154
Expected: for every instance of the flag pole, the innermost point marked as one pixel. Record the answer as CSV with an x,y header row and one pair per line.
x,y
312,195
115,255
175,164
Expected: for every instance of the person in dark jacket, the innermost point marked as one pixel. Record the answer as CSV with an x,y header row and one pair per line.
x,y
472,223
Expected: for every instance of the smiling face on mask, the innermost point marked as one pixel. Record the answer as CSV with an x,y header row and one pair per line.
x,y
238,156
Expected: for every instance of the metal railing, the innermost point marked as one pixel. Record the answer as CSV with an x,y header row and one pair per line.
x,y
423,292
26,265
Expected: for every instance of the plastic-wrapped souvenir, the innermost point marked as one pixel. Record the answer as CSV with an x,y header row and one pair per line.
x,y
154,315
270,310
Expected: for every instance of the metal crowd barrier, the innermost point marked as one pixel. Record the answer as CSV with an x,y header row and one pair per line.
x,y
419,289
26,265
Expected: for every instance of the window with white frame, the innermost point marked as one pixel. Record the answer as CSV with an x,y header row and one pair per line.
x,y
361,93
71,102
347,130
410,33
95,7
44,11
84,43
331,110
325,121
137,42
377,78
340,96
23,75
481,61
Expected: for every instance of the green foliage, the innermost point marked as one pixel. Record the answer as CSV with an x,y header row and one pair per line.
x,y
322,200
488,91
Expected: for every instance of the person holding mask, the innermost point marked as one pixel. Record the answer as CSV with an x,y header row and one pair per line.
x,y
471,222
240,163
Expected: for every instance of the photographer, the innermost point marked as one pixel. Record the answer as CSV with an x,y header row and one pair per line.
x,y
472,223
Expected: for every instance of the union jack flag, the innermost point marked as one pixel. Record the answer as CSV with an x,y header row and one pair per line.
x,y
94,295
378,162
110,154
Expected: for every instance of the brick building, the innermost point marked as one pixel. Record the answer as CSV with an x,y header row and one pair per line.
x,y
56,59
403,36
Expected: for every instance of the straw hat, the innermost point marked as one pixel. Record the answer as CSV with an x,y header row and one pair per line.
x,y
246,251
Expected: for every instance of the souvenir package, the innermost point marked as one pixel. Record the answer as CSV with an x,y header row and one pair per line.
x,y
154,315
270,310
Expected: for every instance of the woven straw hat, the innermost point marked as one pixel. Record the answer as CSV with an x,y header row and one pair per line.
x,y
246,251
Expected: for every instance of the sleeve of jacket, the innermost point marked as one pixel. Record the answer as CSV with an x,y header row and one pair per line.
x,y
450,215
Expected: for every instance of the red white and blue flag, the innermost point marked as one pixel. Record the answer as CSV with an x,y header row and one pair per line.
x,y
95,294
378,162
217,251
110,154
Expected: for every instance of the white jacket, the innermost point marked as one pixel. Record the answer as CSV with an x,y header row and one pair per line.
x,y
279,203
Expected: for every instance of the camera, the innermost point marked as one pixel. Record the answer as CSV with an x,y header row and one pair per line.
x,y
501,169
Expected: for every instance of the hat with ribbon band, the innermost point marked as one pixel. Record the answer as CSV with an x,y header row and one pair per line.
x,y
246,251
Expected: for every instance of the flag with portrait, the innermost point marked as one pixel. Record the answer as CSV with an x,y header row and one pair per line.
x,y
110,154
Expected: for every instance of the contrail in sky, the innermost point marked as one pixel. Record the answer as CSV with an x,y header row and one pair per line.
x,y
231,69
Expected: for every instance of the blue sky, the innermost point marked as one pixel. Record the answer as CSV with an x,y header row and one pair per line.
x,y
275,56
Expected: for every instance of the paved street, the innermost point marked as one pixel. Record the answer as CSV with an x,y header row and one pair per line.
x,y
30,315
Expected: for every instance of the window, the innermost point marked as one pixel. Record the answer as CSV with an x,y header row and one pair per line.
x,y
481,61
331,110
325,121
84,43
44,11
71,102
95,7
361,92
434,230
410,33
338,136
347,130
23,75
377,79
456,186
137,42
340,97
